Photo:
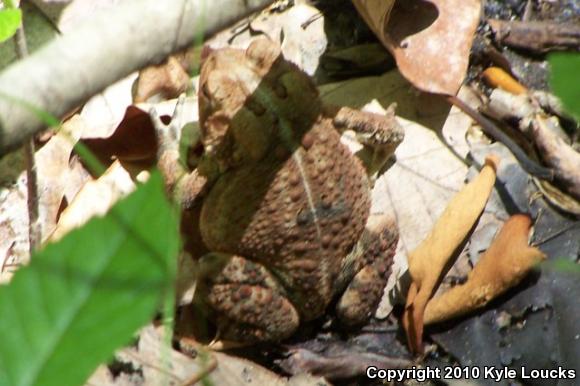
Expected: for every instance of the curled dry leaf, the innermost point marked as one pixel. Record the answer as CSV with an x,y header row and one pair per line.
x,y
95,198
152,362
103,112
497,77
132,140
502,266
299,29
437,32
54,173
169,78
428,261
302,28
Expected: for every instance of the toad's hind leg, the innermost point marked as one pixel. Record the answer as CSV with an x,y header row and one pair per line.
x,y
366,270
249,303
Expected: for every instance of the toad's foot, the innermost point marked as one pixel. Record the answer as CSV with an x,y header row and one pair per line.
x,y
369,266
251,306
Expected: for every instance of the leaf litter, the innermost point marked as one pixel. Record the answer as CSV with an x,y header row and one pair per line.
x,y
430,161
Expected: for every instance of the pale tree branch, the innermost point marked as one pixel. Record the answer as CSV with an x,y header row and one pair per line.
x,y
113,44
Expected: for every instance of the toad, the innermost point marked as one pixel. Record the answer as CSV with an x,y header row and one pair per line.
x,y
284,204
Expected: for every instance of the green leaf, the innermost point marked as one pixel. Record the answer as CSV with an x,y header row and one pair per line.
x,y
565,265
83,297
9,22
565,80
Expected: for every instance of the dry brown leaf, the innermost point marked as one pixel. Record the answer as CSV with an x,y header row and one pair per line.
x,y
56,177
429,40
502,266
95,198
53,170
428,261
59,176
154,363
169,79
132,140
14,245
103,112
304,38
299,29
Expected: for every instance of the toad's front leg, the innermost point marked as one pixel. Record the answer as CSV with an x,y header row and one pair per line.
x,y
379,134
249,303
184,186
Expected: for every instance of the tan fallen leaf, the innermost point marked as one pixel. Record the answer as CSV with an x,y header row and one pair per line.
x,y
304,37
429,40
299,29
157,364
59,176
168,79
94,199
507,261
133,139
14,244
53,170
103,112
429,260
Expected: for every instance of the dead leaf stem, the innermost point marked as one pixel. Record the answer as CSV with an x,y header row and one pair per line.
x,y
490,129
34,236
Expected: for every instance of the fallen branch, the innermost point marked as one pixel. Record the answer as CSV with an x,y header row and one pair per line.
x,y
536,36
116,42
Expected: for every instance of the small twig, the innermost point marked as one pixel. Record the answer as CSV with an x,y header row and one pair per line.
x,y
490,129
536,36
34,236
137,358
208,366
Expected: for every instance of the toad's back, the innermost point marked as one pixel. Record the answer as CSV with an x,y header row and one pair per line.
x,y
287,193
298,216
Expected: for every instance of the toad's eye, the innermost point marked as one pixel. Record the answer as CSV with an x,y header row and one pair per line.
x,y
254,106
280,90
